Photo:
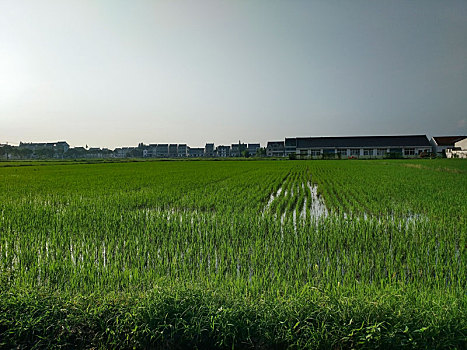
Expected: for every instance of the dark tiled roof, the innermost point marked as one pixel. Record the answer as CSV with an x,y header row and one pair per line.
x,y
363,141
447,140
275,143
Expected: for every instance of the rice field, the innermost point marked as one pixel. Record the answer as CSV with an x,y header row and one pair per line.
x,y
234,254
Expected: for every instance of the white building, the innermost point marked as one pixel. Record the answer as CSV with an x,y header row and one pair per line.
x,y
459,150
441,144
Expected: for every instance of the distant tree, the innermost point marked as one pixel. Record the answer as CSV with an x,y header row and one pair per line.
x,y
135,153
45,153
25,153
8,151
77,152
292,156
261,152
246,154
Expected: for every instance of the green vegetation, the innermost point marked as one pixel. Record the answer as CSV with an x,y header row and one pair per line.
x,y
234,254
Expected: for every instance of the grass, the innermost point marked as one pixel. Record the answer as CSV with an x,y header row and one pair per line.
x,y
190,254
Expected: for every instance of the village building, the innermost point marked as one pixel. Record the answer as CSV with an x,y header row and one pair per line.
x,y
275,149
253,148
173,150
44,149
407,146
195,152
59,146
122,152
95,152
182,150
442,143
459,150
150,150
223,151
237,149
290,146
209,150
162,150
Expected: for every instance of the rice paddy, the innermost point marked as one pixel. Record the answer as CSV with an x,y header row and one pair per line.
x,y
234,254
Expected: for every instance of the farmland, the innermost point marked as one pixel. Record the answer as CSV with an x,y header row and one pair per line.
x,y
222,254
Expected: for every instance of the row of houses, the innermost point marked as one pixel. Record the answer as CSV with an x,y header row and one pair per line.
x,y
164,150
401,146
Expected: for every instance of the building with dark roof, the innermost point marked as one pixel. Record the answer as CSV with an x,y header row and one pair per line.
x,y
236,149
195,152
275,149
290,146
351,146
182,150
209,150
253,148
173,150
162,150
442,143
223,151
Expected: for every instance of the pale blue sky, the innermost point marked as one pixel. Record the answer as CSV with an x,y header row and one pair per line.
x,y
115,73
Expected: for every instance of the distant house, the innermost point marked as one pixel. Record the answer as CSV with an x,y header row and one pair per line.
x,y
459,150
173,150
407,146
223,151
195,152
62,146
182,150
209,150
236,149
95,152
45,149
442,143
275,149
290,146
150,150
162,150
124,152
253,148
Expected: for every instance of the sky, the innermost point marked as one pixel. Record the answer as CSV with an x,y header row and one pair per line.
x,y
116,73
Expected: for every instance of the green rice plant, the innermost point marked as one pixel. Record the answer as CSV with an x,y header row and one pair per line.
x,y
213,244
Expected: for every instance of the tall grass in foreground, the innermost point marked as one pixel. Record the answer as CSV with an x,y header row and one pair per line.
x,y
222,254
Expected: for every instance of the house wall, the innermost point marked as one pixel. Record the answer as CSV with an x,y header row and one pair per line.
x,y
360,152
462,144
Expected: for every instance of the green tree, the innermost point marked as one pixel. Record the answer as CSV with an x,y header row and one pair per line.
x,y
261,152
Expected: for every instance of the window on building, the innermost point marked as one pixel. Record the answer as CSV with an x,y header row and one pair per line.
x,y
409,151
367,152
342,152
316,153
355,152
381,151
